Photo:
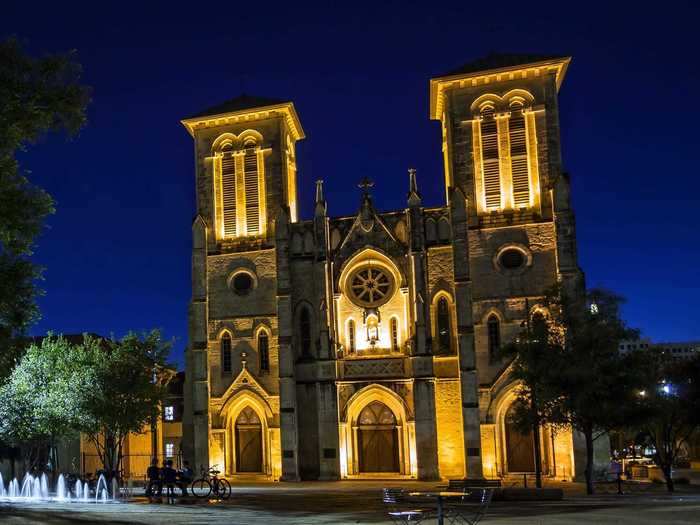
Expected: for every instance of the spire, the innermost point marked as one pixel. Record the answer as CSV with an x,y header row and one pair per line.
x,y
413,195
320,201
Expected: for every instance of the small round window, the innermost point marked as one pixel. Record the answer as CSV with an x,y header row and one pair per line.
x,y
511,259
242,283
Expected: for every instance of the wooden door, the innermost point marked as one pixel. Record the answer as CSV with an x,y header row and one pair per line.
x,y
378,439
248,442
520,449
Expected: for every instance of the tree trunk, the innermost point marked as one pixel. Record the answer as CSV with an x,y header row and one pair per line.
x,y
668,476
588,434
538,455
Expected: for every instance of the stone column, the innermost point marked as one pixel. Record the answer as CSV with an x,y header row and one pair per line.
x,y
287,382
465,336
197,413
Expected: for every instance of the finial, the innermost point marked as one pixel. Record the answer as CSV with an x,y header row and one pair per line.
x,y
319,190
365,185
321,208
413,195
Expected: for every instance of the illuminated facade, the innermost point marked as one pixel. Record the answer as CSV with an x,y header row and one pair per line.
x,y
363,346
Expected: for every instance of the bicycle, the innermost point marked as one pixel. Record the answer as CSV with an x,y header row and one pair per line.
x,y
209,483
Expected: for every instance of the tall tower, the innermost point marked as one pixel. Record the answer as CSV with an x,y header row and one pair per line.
x,y
512,222
240,389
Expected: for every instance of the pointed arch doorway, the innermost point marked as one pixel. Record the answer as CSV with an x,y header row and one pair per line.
x,y
520,446
378,439
249,445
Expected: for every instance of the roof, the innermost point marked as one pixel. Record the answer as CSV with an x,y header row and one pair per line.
x,y
242,108
499,61
238,103
493,67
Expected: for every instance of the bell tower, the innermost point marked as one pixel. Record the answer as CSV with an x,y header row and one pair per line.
x,y
238,360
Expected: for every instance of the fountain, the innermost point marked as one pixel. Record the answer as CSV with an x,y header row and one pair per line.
x,y
36,488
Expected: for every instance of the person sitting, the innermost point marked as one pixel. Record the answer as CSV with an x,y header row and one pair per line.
x,y
169,479
185,477
153,475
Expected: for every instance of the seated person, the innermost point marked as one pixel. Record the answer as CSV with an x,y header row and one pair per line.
x,y
169,478
153,475
185,477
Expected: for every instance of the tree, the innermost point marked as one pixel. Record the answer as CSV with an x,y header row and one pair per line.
x,y
41,400
535,353
126,391
597,383
670,408
39,95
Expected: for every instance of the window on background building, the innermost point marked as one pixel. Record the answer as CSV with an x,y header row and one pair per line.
x,y
351,335
494,333
305,332
444,329
226,353
169,413
264,352
490,159
394,326
169,450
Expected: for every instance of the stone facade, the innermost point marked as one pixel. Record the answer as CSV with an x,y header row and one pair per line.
x,y
361,346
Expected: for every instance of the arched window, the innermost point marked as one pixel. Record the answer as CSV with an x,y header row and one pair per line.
x,y
494,332
539,327
444,329
305,332
490,158
264,351
394,326
252,193
518,156
228,190
351,336
226,353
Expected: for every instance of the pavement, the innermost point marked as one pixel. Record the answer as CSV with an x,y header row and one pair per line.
x,y
353,502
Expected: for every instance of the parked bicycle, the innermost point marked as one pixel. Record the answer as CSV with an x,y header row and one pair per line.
x,y
211,484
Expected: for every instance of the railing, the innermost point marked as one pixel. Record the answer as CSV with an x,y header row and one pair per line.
x,y
133,466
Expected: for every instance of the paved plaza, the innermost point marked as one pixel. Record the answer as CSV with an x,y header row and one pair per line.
x,y
358,502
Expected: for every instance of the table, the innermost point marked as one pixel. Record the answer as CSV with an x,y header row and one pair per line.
x,y
439,496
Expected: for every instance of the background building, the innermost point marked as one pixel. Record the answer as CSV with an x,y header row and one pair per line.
x,y
365,346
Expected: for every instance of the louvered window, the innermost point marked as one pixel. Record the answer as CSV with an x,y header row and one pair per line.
x,y
490,159
518,158
252,204
228,190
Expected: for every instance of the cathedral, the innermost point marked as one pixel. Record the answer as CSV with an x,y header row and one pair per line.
x,y
367,346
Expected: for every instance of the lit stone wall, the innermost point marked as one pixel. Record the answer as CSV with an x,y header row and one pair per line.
x,y
489,452
448,413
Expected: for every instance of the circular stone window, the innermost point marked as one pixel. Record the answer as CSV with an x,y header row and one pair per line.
x,y
242,283
511,259
370,286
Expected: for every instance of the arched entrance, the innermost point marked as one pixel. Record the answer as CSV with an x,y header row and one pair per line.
x,y
520,449
378,439
249,450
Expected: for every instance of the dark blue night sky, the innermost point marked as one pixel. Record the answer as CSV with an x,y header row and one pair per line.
x,y
117,252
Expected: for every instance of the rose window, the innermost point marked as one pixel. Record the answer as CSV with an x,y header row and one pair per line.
x,y
370,286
